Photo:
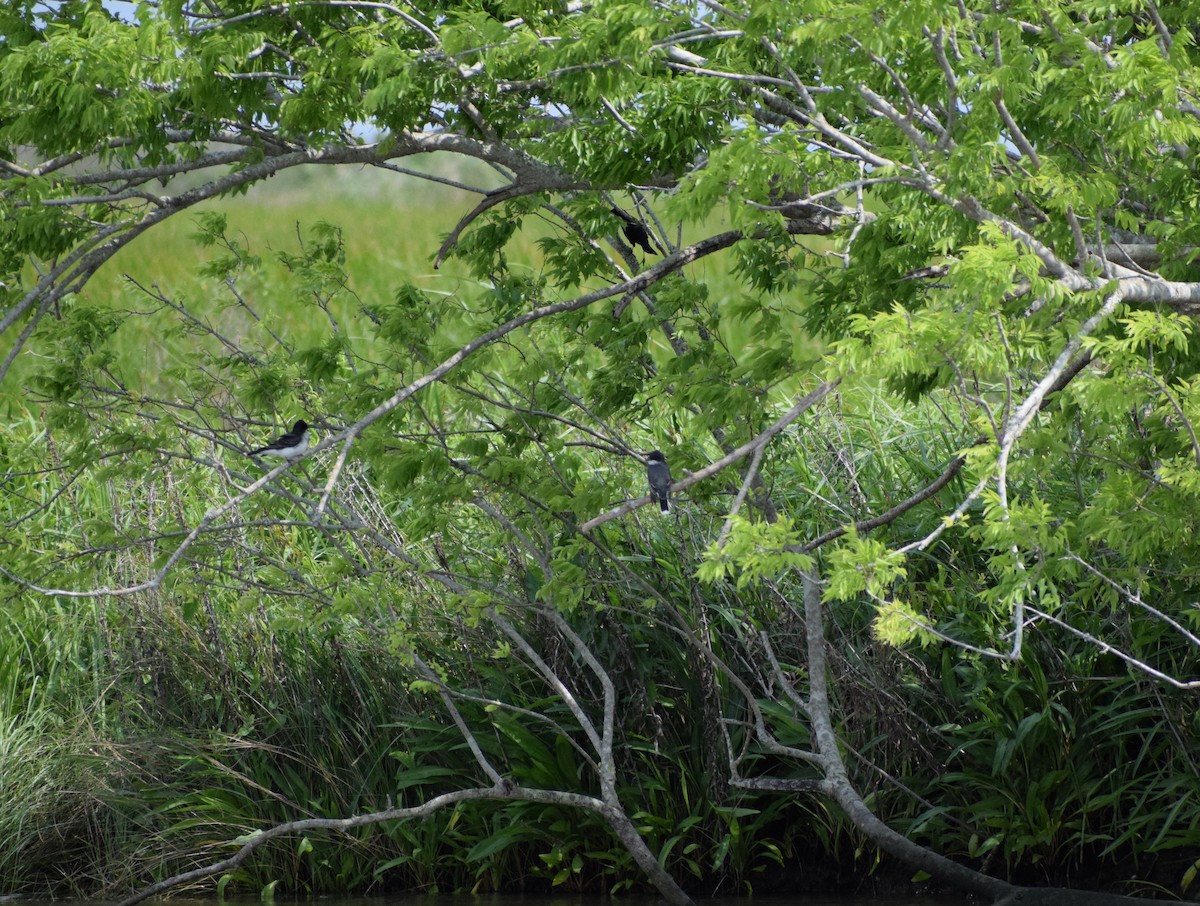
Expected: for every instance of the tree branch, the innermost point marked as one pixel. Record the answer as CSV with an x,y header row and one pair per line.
x,y
801,406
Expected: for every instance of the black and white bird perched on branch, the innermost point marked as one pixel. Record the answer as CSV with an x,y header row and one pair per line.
x,y
636,233
658,473
287,446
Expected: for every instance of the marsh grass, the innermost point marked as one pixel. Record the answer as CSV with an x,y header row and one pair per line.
x,y
139,731
49,752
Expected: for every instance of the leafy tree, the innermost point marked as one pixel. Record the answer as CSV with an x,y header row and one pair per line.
x,y
979,211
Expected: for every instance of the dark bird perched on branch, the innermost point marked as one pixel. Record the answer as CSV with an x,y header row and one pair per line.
x,y
636,233
287,446
659,475
804,217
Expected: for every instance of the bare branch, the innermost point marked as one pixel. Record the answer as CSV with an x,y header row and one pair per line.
x,y
1111,649
801,406
751,472
456,716
502,791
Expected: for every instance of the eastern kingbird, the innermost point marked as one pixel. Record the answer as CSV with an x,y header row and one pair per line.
x,y
287,446
636,233
658,473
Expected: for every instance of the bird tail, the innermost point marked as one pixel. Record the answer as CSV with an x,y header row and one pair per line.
x,y
664,504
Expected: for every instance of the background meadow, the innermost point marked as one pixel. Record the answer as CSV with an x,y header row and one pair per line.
x,y
139,731
390,225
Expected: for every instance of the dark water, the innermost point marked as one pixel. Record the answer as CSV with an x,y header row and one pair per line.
x,y
516,900
622,900
519,900
625,900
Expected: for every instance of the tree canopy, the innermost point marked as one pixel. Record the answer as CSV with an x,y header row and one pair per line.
x,y
904,292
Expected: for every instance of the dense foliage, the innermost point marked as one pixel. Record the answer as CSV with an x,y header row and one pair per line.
x,y
920,332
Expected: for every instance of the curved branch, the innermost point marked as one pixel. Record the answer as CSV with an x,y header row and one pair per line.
x,y
865,525
251,842
1112,649
801,406
843,791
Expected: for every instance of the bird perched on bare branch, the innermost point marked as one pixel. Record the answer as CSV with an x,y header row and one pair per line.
x,y
636,233
289,446
658,473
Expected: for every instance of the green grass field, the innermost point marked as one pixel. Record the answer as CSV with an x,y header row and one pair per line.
x,y
391,226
